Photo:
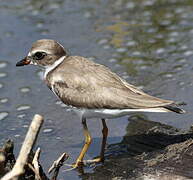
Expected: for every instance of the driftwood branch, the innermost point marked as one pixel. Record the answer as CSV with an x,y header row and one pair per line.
x,y
56,165
26,148
36,165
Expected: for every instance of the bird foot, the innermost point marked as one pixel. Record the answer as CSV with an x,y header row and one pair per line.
x,y
77,165
81,164
96,160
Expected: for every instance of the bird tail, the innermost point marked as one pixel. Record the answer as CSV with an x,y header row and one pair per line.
x,y
174,107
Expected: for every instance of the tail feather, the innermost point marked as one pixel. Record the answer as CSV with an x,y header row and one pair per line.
x,y
174,107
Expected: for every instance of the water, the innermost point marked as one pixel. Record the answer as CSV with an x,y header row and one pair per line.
x,y
149,43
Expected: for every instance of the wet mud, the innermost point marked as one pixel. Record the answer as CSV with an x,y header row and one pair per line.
x,y
157,152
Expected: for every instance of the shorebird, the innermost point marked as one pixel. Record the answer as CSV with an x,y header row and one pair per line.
x,y
90,89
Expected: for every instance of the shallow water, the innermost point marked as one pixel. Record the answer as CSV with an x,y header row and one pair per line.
x,y
147,42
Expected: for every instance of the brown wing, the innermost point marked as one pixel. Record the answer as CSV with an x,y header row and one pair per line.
x,y
89,85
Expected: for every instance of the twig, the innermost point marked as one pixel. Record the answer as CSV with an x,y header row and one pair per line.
x,y
26,148
35,163
7,158
37,176
57,164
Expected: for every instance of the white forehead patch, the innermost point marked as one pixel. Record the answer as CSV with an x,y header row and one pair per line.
x,y
34,63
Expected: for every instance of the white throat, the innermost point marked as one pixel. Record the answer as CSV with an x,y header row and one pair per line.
x,y
53,66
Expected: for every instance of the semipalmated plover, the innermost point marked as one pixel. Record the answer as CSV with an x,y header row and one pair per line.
x,y
91,89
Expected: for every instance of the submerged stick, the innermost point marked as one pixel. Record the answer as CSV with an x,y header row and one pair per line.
x,y
57,164
36,165
26,148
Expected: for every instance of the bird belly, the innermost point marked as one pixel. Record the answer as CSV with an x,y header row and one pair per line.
x,y
112,113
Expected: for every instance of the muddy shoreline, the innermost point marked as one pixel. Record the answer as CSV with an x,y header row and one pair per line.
x,y
160,152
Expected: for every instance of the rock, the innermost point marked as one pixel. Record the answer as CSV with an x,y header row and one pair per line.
x,y
158,152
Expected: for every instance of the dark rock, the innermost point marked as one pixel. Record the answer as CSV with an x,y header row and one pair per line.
x,y
158,151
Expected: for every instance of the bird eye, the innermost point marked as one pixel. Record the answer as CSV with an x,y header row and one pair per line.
x,y
39,55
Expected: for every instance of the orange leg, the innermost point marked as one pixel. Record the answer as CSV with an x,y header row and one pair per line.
x,y
79,162
105,134
88,139
104,140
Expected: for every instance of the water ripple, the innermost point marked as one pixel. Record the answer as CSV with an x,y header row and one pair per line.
x,y
3,115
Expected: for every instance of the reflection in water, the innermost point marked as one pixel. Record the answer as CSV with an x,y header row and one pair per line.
x,y
47,130
21,116
23,107
1,85
147,35
140,137
3,100
3,64
3,115
2,74
25,89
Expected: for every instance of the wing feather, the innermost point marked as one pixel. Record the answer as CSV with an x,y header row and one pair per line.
x,y
86,84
